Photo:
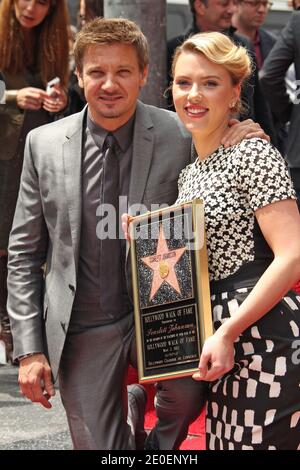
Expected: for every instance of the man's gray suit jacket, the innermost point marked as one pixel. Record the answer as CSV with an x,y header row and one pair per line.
x,y
47,222
285,52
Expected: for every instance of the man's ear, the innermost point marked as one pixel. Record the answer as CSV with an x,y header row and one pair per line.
x,y
79,77
199,7
144,77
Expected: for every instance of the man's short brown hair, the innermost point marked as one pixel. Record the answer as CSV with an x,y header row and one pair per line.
x,y
108,31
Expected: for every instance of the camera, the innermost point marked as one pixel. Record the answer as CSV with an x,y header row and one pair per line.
x,y
50,85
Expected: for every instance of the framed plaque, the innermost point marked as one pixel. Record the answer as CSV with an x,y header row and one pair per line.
x,y
172,306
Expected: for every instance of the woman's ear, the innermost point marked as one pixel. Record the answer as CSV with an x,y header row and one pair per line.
x,y
237,92
235,97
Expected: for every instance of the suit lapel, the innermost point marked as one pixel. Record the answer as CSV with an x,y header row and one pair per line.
x,y
72,157
143,143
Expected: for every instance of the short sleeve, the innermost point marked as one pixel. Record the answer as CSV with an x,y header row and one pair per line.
x,y
263,174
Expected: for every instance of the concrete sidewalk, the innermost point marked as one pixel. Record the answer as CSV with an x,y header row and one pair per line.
x,y
28,426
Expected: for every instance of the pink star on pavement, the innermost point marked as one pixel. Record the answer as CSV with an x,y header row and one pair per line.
x,y
163,265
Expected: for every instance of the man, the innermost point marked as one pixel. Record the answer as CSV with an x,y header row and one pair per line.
x,y
248,19
285,52
75,319
216,15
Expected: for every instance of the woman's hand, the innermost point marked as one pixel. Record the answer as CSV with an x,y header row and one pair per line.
x,y
31,98
57,101
216,359
125,223
240,130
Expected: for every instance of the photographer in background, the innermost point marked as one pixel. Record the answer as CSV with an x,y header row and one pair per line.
x,y
33,50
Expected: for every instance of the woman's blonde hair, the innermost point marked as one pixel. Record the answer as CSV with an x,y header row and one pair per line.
x,y
219,49
51,55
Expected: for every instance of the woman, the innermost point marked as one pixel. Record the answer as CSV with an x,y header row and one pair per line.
x,y
33,50
253,233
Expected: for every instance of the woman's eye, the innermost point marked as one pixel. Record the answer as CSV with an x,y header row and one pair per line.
x,y
181,82
210,84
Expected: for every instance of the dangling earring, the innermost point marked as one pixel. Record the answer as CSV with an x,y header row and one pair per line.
x,y
232,105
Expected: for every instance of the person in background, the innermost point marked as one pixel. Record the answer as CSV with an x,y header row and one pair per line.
x,y
285,52
248,20
88,10
33,50
77,320
216,15
252,231
295,4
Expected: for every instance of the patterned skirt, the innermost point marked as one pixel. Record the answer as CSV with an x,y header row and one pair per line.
x,y
256,406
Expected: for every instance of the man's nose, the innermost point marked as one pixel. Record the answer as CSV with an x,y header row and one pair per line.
x,y
231,7
108,83
262,8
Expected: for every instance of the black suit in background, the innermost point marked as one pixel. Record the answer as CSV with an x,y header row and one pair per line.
x,y
285,52
267,42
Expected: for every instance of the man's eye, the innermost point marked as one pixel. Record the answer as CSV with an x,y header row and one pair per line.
x,y
95,73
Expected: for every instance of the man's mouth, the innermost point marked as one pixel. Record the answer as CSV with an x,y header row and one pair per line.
x,y
110,98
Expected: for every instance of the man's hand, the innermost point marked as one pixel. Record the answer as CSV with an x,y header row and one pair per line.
x,y
35,379
240,130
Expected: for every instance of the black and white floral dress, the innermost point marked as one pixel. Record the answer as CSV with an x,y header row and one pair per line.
x,y
257,404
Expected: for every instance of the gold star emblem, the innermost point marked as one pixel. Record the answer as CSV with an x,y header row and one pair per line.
x,y
163,264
